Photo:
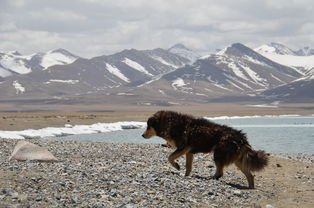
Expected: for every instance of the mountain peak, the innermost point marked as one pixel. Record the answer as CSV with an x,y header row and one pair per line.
x,y
63,52
14,53
275,48
183,51
179,46
236,49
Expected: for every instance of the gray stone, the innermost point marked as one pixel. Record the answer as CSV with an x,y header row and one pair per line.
x,y
27,151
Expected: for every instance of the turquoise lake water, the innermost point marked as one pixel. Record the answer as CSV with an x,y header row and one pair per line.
x,y
274,134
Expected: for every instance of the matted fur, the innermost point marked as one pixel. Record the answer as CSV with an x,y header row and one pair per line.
x,y
191,135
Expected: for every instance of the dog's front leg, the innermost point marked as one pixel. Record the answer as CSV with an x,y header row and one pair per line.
x,y
176,154
188,164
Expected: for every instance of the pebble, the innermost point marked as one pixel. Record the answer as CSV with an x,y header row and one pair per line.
x,y
118,175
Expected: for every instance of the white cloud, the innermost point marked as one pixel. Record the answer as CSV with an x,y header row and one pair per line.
x,y
97,27
50,14
9,26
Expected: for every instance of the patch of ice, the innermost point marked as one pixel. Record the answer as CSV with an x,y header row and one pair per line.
x,y
71,130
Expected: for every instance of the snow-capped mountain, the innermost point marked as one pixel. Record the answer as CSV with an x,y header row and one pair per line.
x,y
275,48
302,61
99,74
236,70
15,63
158,77
185,52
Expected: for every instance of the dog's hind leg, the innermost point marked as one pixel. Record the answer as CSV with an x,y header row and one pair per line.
x,y
249,176
188,164
176,154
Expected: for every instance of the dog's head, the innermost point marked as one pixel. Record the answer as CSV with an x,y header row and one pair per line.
x,y
151,129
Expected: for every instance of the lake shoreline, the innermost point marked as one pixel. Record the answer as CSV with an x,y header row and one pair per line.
x,y
93,174
15,121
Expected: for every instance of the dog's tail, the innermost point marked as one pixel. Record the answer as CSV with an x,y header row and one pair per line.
x,y
254,160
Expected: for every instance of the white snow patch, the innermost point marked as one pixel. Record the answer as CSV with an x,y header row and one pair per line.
x,y
162,92
136,66
71,130
125,93
276,78
15,63
235,85
164,62
18,87
222,52
178,83
115,71
54,58
257,79
245,117
263,106
63,81
249,58
297,62
237,71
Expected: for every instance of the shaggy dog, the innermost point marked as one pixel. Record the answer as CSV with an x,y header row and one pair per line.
x,y
191,135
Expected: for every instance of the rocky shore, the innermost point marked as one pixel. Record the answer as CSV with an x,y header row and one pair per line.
x,y
138,175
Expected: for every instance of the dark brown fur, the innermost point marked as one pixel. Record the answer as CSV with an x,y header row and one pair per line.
x,y
191,135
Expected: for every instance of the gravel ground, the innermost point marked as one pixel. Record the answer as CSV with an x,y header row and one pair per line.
x,y
129,175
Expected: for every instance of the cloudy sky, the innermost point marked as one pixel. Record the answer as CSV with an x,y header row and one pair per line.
x,y
97,27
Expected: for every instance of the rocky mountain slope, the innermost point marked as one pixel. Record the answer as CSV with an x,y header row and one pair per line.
x,y
234,71
87,76
165,77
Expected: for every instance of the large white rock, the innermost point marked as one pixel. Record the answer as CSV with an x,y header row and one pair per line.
x,y
27,151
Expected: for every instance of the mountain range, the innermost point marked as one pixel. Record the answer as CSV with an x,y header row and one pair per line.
x,y
13,62
174,76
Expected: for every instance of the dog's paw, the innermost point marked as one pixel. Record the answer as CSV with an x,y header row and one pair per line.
x,y
176,165
216,177
187,174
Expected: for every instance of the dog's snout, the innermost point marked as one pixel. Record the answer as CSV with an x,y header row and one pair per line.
x,y
143,135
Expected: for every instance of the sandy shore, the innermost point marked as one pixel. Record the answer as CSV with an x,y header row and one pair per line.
x,y
35,120
138,175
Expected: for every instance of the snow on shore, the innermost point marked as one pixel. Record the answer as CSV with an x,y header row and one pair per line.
x,y
71,130
105,127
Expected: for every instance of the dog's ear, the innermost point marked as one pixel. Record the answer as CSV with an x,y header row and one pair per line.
x,y
152,122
